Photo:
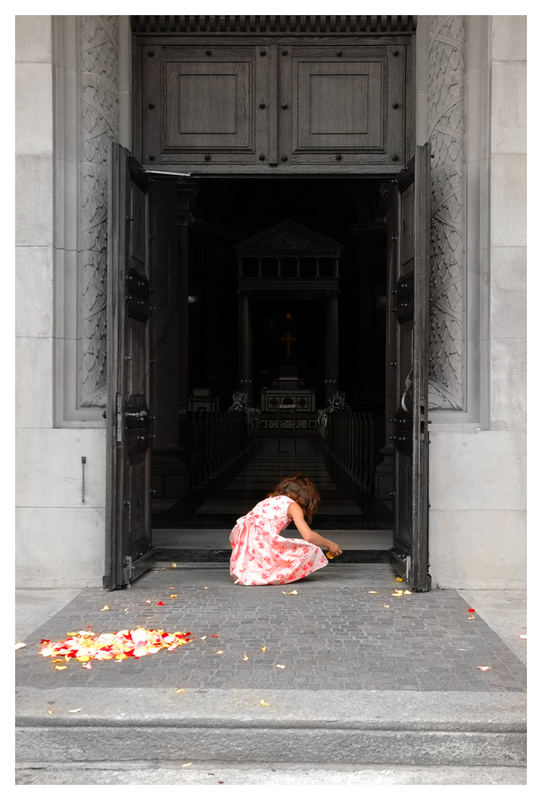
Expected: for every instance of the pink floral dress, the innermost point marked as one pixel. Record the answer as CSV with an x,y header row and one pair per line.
x,y
261,556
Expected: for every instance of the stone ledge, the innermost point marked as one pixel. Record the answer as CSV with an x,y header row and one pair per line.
x,y
240,708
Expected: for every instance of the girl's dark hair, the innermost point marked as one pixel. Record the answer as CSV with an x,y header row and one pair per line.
x,y
300,489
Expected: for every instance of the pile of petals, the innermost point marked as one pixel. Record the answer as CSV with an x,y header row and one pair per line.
x,y
86,645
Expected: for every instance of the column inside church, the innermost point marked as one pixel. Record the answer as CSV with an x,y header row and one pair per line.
x,y
332,344
245,366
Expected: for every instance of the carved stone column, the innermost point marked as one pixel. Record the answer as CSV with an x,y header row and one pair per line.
x,y
98,71
447,130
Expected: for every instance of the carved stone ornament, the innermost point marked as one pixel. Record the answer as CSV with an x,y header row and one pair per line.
x,y
239,23
447,130
289,239
99,124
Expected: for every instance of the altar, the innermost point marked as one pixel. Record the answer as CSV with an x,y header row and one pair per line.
x,y
288,404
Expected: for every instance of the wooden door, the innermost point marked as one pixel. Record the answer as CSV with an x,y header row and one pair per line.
x,y
409,325
128,512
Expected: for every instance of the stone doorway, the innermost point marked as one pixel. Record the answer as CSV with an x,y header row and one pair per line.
x,y
280,340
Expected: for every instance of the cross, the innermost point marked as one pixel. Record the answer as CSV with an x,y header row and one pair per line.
x,y
288,339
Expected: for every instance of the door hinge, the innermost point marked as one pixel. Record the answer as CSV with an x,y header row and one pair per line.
x,y
127,570
118,416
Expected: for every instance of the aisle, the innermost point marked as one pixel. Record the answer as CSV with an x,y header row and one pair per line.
x,y
204,530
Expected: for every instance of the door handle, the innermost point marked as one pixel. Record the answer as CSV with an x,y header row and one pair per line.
x,y
137,415
408,389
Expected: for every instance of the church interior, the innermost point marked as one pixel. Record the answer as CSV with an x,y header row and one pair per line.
x,y
285,337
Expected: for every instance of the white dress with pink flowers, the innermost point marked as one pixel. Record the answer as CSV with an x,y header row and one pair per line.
x,y
261,556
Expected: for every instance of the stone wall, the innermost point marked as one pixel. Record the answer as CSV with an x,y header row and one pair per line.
x,y
478,453
477,466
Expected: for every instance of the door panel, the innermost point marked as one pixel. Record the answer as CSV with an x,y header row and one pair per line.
x,y
281,102
409,328
128,514
335,104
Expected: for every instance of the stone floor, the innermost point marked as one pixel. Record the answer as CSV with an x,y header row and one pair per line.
x,y
343,629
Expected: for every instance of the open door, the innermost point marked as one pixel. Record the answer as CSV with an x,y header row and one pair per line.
x,y
409,220
128,512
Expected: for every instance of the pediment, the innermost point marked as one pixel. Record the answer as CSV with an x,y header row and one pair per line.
x,y
288,239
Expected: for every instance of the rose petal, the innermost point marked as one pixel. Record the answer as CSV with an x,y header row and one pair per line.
x,y
471,610
173,565
263,649
74,710
105,608
484,668
245,657
18,645
263,703
280,666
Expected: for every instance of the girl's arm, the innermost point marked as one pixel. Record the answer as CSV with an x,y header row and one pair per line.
x,y
296,513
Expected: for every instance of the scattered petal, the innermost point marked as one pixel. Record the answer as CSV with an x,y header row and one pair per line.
x,y
385,605
85,646
522,635
372,591
51,711
173,565
188,764
105,608
205,587
328,555
87,666
294,592
148,602
407,592
484,668
280,666
61,667
245,657
263,703
174,595
471,610
219,652
399,580
215,635
18,645
179,691
74,710
263,649
471,616
202,638
159,603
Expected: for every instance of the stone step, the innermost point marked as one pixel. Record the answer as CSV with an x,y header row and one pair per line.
x,y
294,726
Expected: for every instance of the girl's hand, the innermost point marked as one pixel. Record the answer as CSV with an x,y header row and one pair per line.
x,y
333,549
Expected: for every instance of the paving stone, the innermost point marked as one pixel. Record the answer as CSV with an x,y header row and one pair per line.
x,y
331,632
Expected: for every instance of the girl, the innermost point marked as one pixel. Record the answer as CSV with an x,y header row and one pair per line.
x,y
260,555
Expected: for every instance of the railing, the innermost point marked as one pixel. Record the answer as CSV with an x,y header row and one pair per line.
x,y
352,440
213,441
